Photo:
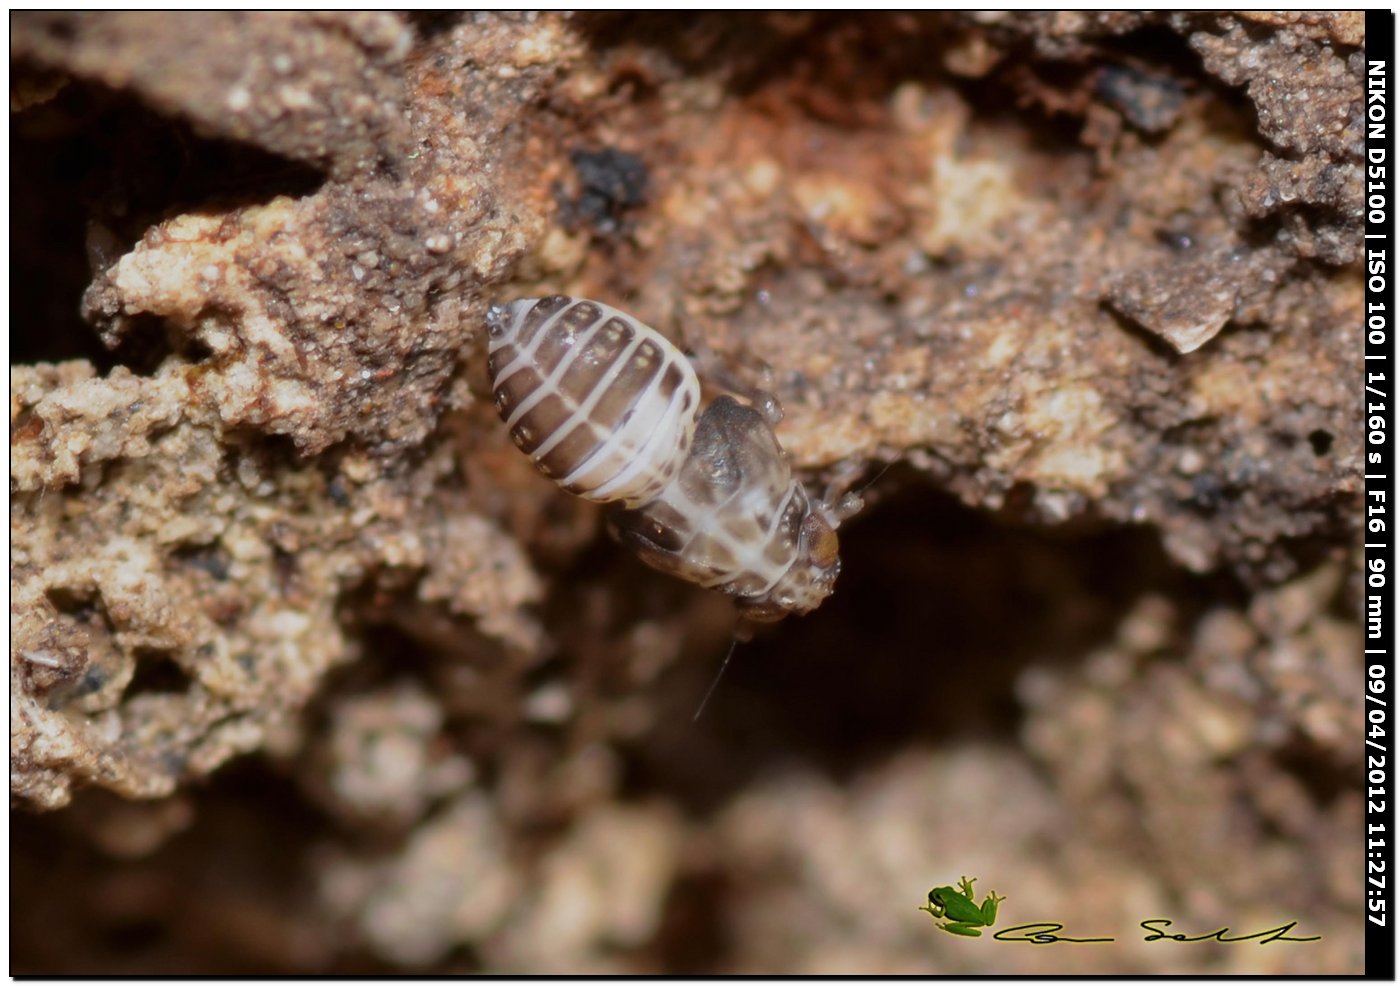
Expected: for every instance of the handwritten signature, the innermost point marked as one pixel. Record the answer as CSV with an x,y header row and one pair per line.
x,y
1047,933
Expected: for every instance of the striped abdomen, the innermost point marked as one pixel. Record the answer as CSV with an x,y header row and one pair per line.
x,y
602,404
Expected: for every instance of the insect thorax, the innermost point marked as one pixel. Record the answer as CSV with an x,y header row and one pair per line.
x,y
735,519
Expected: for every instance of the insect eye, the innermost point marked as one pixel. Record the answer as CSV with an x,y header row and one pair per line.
x,y
822,545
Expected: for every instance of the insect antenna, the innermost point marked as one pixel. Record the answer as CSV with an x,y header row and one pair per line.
x,y
843,506
733,643
876,478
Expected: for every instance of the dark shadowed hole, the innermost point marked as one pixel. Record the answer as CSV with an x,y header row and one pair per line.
x,y
79,603
90,171
1156,45
147,340
823,62
1321,442
143,346
433,24
1316,770
157,673
211,559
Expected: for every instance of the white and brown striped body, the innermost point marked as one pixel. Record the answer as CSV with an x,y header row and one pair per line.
x,y
602,404
609,409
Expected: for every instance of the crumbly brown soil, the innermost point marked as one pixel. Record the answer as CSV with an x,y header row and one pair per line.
x,y
324,678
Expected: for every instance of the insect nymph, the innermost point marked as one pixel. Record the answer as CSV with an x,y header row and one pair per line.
x,y
610,410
